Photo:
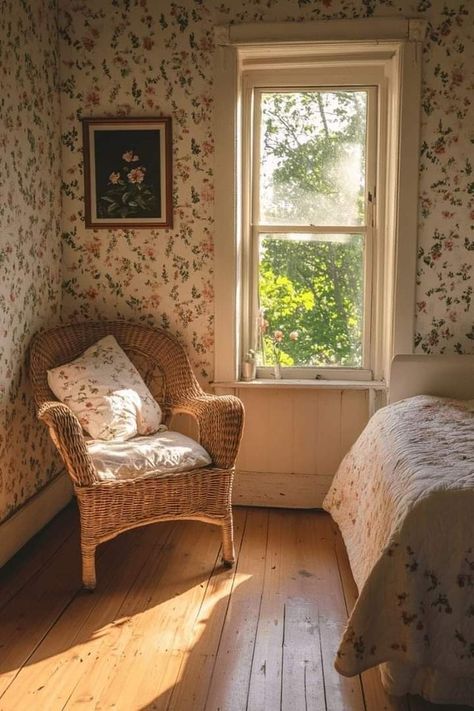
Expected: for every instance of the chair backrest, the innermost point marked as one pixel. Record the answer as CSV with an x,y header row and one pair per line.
x,y
158,356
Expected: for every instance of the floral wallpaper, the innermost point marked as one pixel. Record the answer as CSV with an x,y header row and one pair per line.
x,y
445,279
30,243
143,58
137,57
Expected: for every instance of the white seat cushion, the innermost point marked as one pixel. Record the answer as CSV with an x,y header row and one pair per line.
x,y
159,454
106,393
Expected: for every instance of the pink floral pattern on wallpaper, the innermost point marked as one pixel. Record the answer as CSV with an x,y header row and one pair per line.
x,y
136,57
30,250
445,276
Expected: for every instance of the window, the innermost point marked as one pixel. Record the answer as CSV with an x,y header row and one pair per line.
x,y
315,230
311,225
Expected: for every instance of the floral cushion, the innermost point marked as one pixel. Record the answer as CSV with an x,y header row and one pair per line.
x,y
107,393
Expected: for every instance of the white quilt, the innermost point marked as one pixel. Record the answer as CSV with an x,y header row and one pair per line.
x,y
403,498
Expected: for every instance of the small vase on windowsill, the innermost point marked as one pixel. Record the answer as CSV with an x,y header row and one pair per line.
x,y
277,371
249,370
249,366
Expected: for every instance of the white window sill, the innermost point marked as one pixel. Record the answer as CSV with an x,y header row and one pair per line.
x,y
320,384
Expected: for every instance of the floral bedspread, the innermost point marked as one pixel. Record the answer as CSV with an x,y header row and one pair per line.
x,y
403,498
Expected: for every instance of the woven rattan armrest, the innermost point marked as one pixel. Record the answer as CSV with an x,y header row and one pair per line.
x,y
220,420
68,437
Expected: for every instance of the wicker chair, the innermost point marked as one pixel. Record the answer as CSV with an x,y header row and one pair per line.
x,y
108,508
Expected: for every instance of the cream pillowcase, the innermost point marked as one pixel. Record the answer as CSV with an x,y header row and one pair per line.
x,y
160,454
106,393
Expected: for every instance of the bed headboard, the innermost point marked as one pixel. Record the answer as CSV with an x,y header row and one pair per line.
x,y
445,376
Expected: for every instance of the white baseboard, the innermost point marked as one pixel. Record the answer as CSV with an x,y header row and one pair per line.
x,y
291,491
34,515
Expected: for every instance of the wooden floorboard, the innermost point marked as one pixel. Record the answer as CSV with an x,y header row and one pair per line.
x,y
265,688
34,556
170,629
341,692
302,664
139,665
197,664
231,675
27,619
68,655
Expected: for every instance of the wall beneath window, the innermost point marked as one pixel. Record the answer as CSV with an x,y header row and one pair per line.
x,y
30,250
146,59
293,442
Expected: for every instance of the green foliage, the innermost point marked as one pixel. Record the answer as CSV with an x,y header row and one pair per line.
x,y
314,288
313,157
313,284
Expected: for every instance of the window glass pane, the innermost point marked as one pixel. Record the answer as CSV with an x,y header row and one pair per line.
x,y
310,290
312,157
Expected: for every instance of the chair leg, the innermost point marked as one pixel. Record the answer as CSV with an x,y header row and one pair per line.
x,y
88,566
228,554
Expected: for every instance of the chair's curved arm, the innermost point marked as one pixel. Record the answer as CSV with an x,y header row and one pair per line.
x,y
220,419
66,433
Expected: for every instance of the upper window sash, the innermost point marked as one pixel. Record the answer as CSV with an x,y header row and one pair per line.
x,y
258,220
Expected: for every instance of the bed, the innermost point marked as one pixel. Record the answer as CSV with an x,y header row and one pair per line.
x,y
403,498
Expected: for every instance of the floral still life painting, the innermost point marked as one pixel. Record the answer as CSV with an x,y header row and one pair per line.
x,y
127,171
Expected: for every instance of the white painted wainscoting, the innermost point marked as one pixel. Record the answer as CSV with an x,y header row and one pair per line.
x,y
294,438
33,515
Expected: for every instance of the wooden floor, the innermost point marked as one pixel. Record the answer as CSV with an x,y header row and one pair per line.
x,y
169,628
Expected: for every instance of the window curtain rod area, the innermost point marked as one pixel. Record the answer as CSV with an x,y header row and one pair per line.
x,y
368,29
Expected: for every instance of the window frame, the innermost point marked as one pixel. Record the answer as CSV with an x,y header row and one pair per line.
x,y
254,84
393,47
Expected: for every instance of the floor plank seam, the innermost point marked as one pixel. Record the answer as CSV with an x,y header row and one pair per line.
x,y
161,545
196,617
249,634
258,616
362,691
100,553
73,690
305,685
343,587
37,572
40,642
347,607
282,665
322,661
226,611
68,698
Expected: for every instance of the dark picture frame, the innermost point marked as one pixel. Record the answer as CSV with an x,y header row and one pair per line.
x,y
128,172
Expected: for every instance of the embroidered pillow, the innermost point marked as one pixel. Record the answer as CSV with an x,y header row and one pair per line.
x,y
106,393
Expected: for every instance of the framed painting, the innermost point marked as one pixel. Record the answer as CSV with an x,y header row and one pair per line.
x,y
127,172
